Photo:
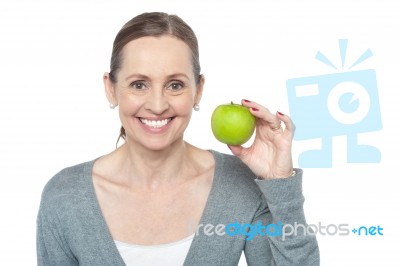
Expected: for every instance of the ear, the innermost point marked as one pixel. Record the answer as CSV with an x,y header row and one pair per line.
x,y
110,89
199,90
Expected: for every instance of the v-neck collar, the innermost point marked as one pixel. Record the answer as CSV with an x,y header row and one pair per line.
x,y
198,239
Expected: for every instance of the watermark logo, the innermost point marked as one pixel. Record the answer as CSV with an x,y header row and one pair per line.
x,y
285,231
344,103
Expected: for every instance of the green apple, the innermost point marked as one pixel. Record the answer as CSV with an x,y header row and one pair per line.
x,y
232,124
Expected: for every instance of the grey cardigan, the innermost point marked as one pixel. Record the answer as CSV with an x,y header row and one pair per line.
x,y
72,231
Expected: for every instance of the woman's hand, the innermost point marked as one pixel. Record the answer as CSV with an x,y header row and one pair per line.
x,y
270,155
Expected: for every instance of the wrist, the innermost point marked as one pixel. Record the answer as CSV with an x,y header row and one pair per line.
x,y
293,173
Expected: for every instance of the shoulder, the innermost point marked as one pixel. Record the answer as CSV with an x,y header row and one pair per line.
x,y
67,187
232,166
236,178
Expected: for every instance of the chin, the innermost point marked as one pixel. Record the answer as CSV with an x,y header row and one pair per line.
x,y
157,144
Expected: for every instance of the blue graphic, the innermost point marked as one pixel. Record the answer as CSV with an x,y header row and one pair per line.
x,y
344,103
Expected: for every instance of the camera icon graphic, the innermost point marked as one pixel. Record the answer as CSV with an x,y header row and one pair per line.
x,y
338,104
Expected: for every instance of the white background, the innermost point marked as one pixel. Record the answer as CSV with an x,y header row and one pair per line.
x,y
53,112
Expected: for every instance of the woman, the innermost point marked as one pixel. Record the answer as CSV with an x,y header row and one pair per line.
x,y
156,199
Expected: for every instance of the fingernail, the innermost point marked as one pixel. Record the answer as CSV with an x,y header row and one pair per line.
x,y
247,101
254,109
280,113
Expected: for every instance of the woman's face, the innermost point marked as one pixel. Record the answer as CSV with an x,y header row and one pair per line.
x,y
155,91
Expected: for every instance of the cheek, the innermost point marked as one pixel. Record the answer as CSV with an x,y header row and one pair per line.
x,y
183,106
129,104
184,103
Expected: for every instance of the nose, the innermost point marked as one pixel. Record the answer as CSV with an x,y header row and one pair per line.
x,y
157,102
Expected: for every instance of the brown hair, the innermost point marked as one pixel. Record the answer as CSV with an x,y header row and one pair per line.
x,y
153,24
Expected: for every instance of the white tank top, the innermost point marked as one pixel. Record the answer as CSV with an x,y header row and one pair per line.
x,y
173,254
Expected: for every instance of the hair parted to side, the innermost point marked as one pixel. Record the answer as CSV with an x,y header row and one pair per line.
x,y
155,24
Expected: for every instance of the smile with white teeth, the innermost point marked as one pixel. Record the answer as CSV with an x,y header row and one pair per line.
x,y
155,123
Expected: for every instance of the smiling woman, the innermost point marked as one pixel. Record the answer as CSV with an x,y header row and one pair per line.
x,y
140,203
155,25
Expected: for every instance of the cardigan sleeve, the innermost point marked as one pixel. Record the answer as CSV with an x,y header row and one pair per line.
x,y
51,248
281,212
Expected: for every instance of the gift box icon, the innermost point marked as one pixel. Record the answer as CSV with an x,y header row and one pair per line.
x,y
325,106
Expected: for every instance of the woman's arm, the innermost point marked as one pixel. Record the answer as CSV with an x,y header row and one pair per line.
x,y
280,217
280,214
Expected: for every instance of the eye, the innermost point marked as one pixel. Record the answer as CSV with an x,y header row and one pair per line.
x,y
138,85
175,86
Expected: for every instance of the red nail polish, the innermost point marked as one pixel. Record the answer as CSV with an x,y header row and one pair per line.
x,y
247,101
280,113
254,109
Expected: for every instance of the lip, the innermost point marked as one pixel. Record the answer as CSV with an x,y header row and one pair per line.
x,y
158,127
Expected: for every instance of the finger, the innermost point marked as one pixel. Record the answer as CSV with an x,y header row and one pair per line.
x,y
236,150
263,113
288,122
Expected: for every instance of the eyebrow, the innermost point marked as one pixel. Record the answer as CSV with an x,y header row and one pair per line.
x,y
141,76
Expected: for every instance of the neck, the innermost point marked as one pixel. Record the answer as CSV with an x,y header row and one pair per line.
x,y
155,168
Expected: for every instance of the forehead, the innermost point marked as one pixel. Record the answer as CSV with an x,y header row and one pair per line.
x,y
152,54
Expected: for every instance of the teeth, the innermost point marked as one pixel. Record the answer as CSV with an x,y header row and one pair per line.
x,y
155,123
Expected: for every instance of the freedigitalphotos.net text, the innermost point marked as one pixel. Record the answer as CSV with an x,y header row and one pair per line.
x,y
286,230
